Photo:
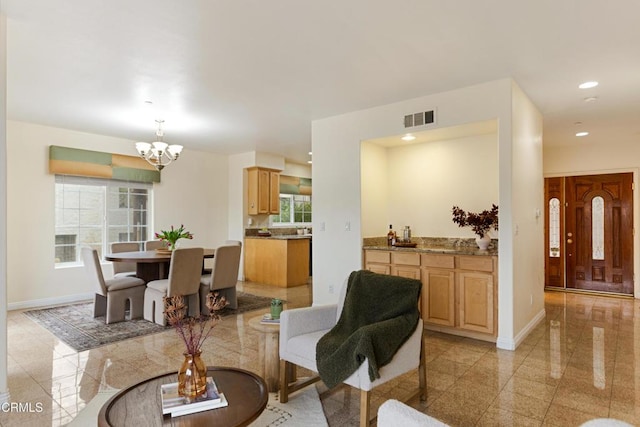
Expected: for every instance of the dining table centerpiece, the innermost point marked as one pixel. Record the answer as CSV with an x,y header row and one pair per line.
x,y
194,331
481,223
171,237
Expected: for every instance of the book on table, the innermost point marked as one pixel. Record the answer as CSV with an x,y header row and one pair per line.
x,y
268,319
176,405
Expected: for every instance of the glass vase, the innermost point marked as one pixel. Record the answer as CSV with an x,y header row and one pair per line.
x,y
192,376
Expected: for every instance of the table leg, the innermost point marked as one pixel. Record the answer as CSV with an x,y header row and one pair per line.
x,y
148,271
271,360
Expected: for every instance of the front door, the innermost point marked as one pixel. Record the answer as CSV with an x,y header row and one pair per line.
x,y
595,231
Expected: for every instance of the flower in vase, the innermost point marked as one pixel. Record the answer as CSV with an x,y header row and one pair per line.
x,y
193,330
480,223
170,237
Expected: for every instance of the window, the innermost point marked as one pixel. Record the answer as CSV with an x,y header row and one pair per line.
x,y
294,209
97,212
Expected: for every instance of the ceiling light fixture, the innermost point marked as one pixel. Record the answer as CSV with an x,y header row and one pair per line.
x,y
588,85
159,154
582,133
408,137
590,99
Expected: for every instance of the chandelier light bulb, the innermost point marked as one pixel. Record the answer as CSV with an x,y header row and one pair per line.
x,y
158,153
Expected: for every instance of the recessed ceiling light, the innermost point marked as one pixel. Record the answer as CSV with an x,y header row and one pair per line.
x,y
309,152
309,161
408,137
590,99
148,102
582,133
588,85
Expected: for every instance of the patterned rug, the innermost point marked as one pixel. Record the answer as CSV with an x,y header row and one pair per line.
x,y
75,325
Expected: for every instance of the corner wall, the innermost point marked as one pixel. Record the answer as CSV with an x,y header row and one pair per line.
x,y
4,388
337,209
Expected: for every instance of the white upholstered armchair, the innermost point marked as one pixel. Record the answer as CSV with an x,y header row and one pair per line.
x,y
302,328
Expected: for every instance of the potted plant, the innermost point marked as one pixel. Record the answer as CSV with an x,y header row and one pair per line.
x,y
480,223
170,237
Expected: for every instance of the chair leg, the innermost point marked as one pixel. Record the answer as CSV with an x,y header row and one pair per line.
x,y
365,408
284,380
422,370
99,305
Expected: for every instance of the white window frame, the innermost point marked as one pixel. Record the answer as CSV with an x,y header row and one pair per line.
x,y
291,212
105,223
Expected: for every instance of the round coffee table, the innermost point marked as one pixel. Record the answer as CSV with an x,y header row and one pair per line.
x,y
141,403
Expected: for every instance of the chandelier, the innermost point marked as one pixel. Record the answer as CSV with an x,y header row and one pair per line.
x,y
159,154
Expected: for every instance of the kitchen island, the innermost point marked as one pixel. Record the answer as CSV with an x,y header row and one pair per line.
x,y
459,283
279,260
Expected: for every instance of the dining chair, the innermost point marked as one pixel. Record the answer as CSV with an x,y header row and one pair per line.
x,y
223,276
185,270
152,245
113,295
124,268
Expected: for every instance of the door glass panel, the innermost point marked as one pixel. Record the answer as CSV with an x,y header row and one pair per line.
x,y
597,228
554,228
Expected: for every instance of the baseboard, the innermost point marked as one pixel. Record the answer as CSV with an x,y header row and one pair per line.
x,y
512,344
44,302
4,397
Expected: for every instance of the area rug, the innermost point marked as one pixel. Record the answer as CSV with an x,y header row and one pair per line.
x,y
75,325
303,409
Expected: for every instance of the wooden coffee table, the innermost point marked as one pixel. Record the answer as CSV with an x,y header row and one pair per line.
x,y
141,404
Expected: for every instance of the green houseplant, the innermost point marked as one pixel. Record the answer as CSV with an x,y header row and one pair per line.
x,y
170,237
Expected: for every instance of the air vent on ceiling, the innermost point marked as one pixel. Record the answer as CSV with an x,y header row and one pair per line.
x,y
419,119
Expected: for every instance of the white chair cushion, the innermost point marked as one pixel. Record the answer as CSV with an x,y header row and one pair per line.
x,y
393,413
159,285
301,349
123,283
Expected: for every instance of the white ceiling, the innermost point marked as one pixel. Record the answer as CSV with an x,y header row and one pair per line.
x,y
240,75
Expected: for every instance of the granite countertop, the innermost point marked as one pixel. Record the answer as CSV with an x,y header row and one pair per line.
x,y
451,250
281,237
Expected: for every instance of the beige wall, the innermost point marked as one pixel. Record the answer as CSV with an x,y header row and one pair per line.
x,y
193,191
337,225
4,391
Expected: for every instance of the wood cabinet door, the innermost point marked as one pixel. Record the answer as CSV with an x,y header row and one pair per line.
x,y
476,305
406,271
274,193
263,191
438,297
379,268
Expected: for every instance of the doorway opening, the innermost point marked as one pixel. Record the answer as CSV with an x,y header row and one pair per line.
x,y
589,233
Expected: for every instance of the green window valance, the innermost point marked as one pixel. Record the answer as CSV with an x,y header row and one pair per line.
x,y
295,185
74,161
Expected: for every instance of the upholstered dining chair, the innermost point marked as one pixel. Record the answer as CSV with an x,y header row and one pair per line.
x,y
123,268
300,331
152,245
112,295
184,279
223,276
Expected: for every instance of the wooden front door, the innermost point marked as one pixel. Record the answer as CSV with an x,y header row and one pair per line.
x,y
596,229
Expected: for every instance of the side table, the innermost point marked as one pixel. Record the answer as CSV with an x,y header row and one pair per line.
x,y
269,346
141,404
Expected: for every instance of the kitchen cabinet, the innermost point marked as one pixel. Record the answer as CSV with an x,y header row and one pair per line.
x,y
277,261
263,191
459,292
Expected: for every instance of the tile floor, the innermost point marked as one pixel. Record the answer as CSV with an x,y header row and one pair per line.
x,y
579,364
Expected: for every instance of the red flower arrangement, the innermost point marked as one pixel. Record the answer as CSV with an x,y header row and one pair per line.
x,y
480,223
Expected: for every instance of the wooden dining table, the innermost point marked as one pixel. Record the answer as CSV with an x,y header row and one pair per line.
x,y
151,265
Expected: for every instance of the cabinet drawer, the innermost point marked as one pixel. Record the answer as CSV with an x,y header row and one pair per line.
x,y
437,261
378,256
406,258
477,263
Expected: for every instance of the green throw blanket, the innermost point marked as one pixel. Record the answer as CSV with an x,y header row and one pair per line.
x,y
380,313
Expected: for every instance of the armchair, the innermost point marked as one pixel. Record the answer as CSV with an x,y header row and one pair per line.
x,y
302,328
